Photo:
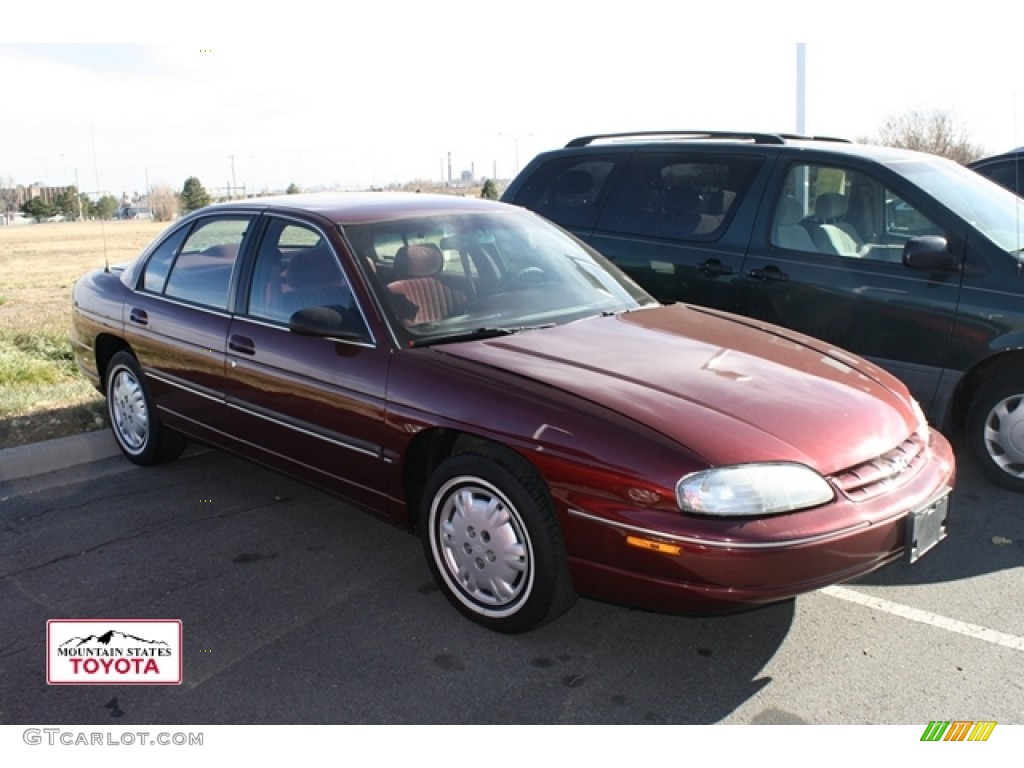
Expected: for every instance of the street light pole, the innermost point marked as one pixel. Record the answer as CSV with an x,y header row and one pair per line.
x,y
515,139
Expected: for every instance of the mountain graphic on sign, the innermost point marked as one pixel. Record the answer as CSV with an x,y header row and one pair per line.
x,y
110,637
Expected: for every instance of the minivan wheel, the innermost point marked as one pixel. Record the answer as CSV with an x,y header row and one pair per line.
x,y
995,432
137,428
493,544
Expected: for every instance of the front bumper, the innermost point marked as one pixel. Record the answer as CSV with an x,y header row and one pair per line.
x,y
675,563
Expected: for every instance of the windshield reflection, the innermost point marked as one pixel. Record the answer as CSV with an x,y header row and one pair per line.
x,y
478,275
996,212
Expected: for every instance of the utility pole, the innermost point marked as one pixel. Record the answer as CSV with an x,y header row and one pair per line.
x,y
801,89
515,140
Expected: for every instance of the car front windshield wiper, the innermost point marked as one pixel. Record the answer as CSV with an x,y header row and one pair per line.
x,y
476,334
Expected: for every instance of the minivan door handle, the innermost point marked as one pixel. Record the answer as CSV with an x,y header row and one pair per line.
x,y
714,268
138,316
769,275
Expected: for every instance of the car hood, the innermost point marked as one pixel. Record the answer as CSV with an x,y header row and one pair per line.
x,y
722,386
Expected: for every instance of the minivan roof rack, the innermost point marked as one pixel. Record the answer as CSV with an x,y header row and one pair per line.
x,y
756,138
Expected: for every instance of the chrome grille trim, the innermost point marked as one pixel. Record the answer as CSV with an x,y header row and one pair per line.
x,y
890,470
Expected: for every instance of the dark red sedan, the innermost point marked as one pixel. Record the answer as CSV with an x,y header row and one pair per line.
x,y
469,371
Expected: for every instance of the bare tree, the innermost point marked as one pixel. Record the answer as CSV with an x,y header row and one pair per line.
x,y
163,202
936,131
8,197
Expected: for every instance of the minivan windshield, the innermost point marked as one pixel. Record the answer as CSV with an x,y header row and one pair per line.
x,y
451,277
994,211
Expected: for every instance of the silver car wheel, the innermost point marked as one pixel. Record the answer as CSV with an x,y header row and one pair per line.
x,y
129,412
481,546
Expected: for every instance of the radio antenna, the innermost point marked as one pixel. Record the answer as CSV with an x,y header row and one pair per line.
x,y
103,228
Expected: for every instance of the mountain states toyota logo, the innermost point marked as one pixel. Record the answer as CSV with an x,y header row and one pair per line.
x,y
113,652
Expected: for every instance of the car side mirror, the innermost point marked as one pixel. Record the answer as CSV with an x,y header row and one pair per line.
x,y
328,322
929,252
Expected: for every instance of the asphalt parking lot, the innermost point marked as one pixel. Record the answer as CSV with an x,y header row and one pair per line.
x,y
299,610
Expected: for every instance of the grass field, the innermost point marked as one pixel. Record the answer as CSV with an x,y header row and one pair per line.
x,y
41,393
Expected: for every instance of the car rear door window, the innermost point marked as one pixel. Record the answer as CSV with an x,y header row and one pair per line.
x,y
678,196
201,274
159,265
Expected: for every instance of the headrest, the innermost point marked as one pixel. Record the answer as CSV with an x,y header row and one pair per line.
x,y
419,260
312,269
575,182
720,201
830,206
682,198
789,212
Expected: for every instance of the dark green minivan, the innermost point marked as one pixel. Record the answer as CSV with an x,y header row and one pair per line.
x,y
904,258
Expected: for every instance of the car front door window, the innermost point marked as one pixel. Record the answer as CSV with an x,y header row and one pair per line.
x,y
841,212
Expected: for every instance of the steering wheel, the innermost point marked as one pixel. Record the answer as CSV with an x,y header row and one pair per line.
x,y
535,275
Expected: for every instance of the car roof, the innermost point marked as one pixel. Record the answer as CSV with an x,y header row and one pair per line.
x,y
360,207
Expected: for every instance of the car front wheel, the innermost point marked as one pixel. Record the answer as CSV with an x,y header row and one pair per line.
x,y
493,543
133,418
995,432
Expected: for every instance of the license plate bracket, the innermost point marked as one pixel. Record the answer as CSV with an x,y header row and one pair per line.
x,y
926,527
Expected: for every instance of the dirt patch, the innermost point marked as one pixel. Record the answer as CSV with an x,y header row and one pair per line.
x,y
48,425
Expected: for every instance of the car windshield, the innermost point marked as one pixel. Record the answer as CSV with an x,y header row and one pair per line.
x,y
996,212
473,275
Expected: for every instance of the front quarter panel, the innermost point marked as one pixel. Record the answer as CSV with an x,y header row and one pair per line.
x,y
574,444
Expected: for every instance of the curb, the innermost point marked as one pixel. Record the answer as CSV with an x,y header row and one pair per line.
x,y
51,455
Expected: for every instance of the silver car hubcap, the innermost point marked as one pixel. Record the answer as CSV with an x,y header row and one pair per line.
x,y
1004,435
128,411
481,546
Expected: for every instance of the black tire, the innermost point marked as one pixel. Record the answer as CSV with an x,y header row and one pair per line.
x,y
493,543
995,431
137,428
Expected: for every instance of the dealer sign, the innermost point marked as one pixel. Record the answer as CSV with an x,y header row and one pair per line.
x,y
113,651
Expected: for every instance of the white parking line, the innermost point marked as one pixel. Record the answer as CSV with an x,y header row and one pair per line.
x,y
927,617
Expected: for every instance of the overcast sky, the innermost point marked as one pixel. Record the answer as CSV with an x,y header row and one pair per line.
x,y
352,95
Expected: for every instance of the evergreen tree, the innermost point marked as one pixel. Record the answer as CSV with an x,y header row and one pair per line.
x,y
489,191
193,195
38,208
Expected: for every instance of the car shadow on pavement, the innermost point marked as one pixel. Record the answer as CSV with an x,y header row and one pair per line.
x,y
297,609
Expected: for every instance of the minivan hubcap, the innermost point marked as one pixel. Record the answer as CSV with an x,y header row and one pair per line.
x,y
1004,435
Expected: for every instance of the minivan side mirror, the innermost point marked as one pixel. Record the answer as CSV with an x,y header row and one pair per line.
x,y
929,252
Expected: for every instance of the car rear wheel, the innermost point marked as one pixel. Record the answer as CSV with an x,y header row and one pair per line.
x,y
140,434
995,432
493,543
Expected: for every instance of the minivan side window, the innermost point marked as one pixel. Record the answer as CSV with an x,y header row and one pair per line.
x,y
678,196
842,212
568,190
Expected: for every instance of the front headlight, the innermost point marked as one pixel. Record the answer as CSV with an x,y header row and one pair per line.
x,y
752,489
922,429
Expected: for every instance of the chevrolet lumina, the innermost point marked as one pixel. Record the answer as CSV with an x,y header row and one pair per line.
x,y
470,372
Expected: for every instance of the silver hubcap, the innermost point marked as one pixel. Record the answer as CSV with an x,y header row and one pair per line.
x,y
481,546
1004,435
128,411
